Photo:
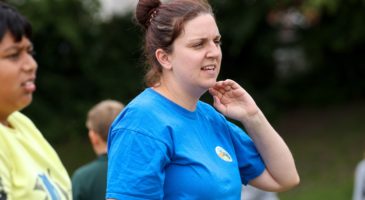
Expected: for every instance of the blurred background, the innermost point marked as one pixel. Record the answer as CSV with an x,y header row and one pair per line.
x,y
302,61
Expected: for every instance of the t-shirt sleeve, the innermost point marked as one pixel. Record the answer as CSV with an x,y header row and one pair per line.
x,y
249,160
136,164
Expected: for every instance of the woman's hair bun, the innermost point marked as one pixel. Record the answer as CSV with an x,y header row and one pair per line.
x,y
144,10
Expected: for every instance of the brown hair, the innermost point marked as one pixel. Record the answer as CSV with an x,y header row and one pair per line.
x,y
100,116
163,23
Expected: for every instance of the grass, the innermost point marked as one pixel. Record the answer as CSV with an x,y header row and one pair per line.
x,y
326,143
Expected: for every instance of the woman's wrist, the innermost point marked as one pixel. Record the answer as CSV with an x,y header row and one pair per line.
x,y
253,120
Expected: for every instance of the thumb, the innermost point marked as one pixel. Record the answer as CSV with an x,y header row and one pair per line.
x,y
217,104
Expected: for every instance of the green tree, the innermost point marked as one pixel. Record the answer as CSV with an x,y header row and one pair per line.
x,y
83,59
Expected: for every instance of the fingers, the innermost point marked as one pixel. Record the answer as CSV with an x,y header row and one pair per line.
x,y
218,104
225,86
226,83
215,92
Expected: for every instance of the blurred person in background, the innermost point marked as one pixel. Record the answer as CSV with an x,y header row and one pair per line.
x,y
166,143
29,167
89,181
359,184
252,193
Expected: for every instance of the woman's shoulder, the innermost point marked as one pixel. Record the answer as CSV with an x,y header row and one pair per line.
x,y
144,112
20,121
19,117
146,105
21,126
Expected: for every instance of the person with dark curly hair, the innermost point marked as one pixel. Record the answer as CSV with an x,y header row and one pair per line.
x,y
29,167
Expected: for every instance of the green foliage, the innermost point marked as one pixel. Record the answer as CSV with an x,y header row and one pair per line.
x,y
335,48
333,44
83,60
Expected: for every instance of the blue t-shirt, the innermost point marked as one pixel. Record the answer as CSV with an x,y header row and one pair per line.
x,y
159,150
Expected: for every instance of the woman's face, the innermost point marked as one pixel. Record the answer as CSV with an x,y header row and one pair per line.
x,y
17,74
196,55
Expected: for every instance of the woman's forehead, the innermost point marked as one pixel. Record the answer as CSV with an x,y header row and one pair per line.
x,y
8,41
201,26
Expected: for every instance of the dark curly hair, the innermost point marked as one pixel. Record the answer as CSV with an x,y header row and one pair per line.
x,y
11,20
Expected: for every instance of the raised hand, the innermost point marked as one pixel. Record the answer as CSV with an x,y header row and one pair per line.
x,y
233,101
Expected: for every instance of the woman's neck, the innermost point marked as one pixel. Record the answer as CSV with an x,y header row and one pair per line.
x,y
178,96
5,123
4,119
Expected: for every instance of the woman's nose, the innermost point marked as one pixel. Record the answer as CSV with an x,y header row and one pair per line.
x,y
214,50
29,63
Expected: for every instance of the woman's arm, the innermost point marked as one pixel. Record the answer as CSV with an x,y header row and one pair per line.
x,y
234,102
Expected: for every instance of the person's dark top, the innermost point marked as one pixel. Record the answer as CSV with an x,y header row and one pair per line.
x,y
89,181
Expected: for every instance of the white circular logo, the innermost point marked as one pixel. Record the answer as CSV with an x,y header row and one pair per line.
x,y
223,154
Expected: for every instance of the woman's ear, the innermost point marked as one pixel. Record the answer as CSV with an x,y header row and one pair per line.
x,y
163,58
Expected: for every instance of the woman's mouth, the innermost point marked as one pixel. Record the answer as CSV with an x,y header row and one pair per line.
x,y
208,68
29,85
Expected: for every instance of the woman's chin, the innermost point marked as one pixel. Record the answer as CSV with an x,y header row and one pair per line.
x,y
25,101
210,83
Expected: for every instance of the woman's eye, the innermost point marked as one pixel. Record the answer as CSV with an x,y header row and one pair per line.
x,y
218,42
31,52
198,45
14,56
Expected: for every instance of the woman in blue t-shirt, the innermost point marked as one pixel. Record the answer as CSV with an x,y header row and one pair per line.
x,y
167,144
